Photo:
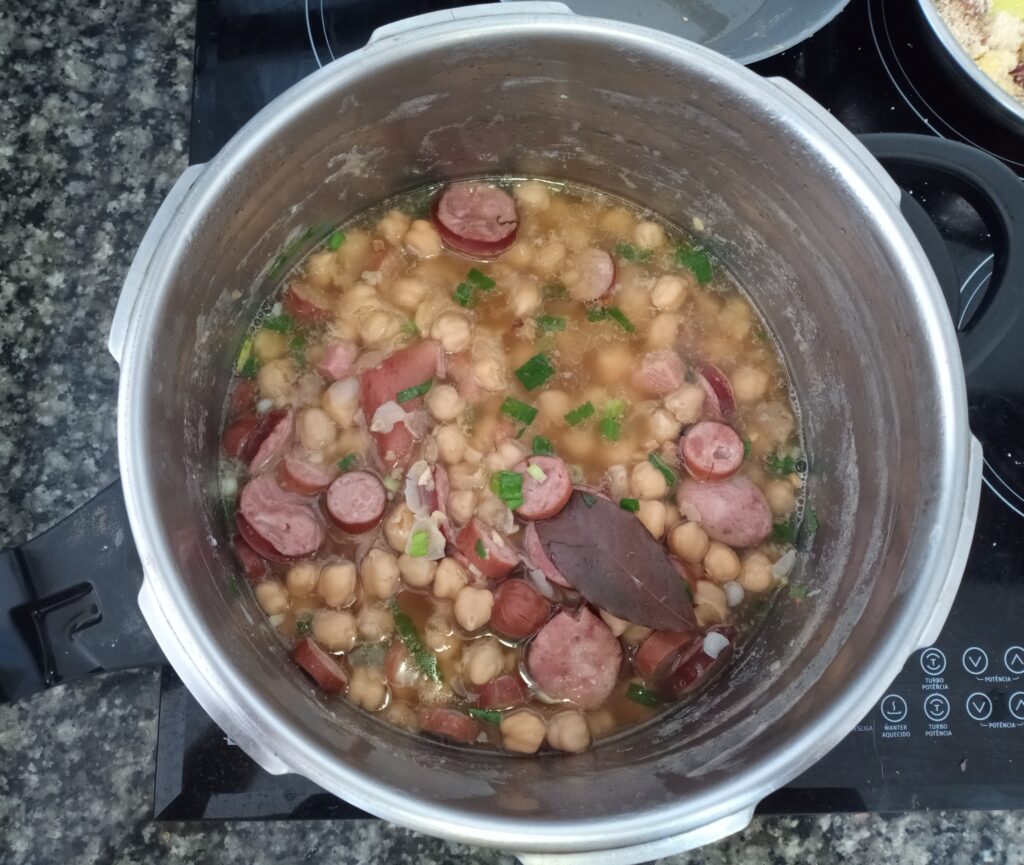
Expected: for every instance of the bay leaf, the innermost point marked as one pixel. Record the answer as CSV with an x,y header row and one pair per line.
x,y
608,556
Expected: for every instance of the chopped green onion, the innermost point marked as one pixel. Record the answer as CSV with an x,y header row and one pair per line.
x,y
232,586
536,472
244,354
508,486
654,458
615,409
780,465
761,334
347,463
488,716
464,294
798,592
481,550
610,429
555,292
411,393
336,239
631,505
535,371
297,350
785,532
542,446
517,410
746,448
619,316
810,524
304,623
695,259
643,696
596,313
418,543
278,323
424,658
409,327
580,414
392,484
588,499
631,253
480,280
250,368
550,323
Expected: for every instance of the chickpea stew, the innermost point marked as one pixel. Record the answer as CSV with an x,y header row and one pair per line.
x,y
517,472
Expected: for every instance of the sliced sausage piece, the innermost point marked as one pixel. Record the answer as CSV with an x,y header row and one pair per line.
x,y
339,360
254,565
356,501
734,511
448,724
711,451
591,274
237,435
324,669
497,561
476,219
660,372
543,499
519,609
285,522
576,658
404,369
538,558
307,304
719,401
694,666
243,397
270,440
656,654
504,692
303,477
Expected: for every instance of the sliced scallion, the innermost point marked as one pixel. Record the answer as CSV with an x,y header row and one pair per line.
x,y
535,371
551,323
610,429
542,446
411,393
695,259
508,486
336,239
480,280
278,323
419,541
464,294
643,696
347,463
518,410
614,409
424,658
580,414
536,472
488,716
654,458
631,505
618,316
480,549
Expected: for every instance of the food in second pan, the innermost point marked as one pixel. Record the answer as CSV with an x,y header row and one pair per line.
x,y
992,32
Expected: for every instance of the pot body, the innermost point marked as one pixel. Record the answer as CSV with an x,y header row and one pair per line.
x,y
809,225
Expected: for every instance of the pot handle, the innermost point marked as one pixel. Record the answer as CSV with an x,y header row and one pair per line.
x,y
144,255
537,7
694,838
992,359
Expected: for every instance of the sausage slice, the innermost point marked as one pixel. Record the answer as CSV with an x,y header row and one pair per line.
x,y
538,558
356,501
338,360
270,440
307,304
719,400
591,274
519,609
305,478
476,541
733,511
476,219
324,669
503,692
278,524
660,372
254,565
711,451
543,499
659,650
448,724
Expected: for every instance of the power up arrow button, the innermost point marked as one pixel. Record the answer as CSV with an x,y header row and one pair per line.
x,y
1013,660
1016,705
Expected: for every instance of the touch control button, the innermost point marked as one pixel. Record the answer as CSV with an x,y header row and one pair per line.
x,y
894,708
933,662
1016,705
975,660
1013,660
936,707
979,706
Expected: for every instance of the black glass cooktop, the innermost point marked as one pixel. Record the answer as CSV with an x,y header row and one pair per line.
x,y
950,731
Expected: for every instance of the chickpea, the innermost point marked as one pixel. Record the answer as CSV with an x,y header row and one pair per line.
x,y
508,455
341,401
490,372
407,292
444,403
663,330
649,235
635,634
518,256
688,541
272,597
401,715
493,510
616,625
337,584
721,562
553,405
634,296
664,425
367,688
438,632
652,515
781,497
417,572
749,384
687,403
710,604
450,579
473,607
379,573
379,328
268,345
392,226
321,269
532,195
548,259
576,236
453,331
429,309
351,257
670,292
568,731
612,364
734,320
525,298
421,240
301,579
335,630
374,623
756,575
601,722
578,445
482,661
451,443
461,505
316,429
354,440
617,221
276,379
397,526
522,731
648,482
465,476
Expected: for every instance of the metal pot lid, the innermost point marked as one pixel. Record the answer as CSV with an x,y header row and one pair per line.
x,y
745,30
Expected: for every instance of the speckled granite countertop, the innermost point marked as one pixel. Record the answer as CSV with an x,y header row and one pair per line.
x,y
94,119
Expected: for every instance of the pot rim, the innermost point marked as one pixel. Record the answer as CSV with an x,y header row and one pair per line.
x,y
217,682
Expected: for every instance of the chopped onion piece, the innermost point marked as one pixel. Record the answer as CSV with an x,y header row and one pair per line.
x,y
228,486
391,484
714,644
733,593
264,405
537,473
541,583
386,416
420,477
784,566
276,310
276,619
417,422
435,540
